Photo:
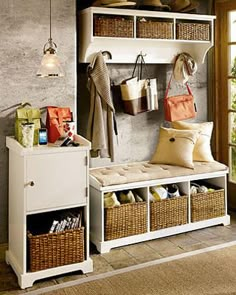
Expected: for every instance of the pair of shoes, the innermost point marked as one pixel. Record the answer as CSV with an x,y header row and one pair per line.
x,y
197,188
157,193
126,197
137,197
110,200
172,190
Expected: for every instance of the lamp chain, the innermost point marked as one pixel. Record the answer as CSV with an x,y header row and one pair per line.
x,y
50,11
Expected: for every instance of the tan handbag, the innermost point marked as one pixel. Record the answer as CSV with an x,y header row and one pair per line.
x,y
136,92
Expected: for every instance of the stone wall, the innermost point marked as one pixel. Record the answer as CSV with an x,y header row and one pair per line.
x,y
138,134
24,31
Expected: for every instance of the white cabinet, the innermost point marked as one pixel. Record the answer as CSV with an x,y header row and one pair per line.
x,y
65,180
163,218
157,35
45,179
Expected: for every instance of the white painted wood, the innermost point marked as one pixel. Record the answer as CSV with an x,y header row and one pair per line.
x,y
14,145
133,12
61,181
96,184
106,246
189,208
26,280
96,213
144,194
16,205
86,215
97,217
125,50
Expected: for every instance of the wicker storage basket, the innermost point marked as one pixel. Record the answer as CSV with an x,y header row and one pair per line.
x,y
154,29
55,249
207,205
193,31
168,212
105,26
125,220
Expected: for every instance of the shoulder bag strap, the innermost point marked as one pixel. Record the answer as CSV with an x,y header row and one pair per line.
x,y
188,88
168,87
24,104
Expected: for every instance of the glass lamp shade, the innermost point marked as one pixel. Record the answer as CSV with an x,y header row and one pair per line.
x,y
50,65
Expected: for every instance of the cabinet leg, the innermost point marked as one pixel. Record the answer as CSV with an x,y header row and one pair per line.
x,y
25,282
227,220
88,267
102,248
6,258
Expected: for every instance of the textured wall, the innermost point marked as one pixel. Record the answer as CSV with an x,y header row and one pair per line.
x,y
138,134
24,30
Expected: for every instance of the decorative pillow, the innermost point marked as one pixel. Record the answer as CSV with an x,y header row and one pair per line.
x,y
202,149
175,147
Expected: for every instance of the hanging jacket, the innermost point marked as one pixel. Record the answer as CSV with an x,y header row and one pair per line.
x,y
101,115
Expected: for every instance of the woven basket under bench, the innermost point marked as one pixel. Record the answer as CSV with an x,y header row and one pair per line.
x,y
55,249
207,205
168,212
125,220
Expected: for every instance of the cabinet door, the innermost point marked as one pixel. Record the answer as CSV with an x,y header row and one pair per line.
x,y
59,180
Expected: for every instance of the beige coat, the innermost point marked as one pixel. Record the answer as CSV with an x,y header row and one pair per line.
x,y
100,122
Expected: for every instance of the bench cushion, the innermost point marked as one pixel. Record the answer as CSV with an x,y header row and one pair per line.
x,y
144,171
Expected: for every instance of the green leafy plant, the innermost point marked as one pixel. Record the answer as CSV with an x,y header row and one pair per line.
x,y
233,101
233,135
233,166
233,69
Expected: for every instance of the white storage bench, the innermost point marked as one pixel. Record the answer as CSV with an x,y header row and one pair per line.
x,y
142,221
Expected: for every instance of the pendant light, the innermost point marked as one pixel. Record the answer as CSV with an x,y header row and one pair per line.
x,y
50,64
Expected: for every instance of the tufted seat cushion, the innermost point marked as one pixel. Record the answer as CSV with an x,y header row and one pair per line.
x,y
143,171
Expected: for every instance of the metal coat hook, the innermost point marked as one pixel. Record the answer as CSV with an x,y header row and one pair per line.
x,y
142,54
106,54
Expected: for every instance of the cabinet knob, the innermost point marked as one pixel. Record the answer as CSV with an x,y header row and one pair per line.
x,y
31,183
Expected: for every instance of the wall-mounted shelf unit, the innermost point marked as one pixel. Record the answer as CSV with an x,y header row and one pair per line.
x,y
159,35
